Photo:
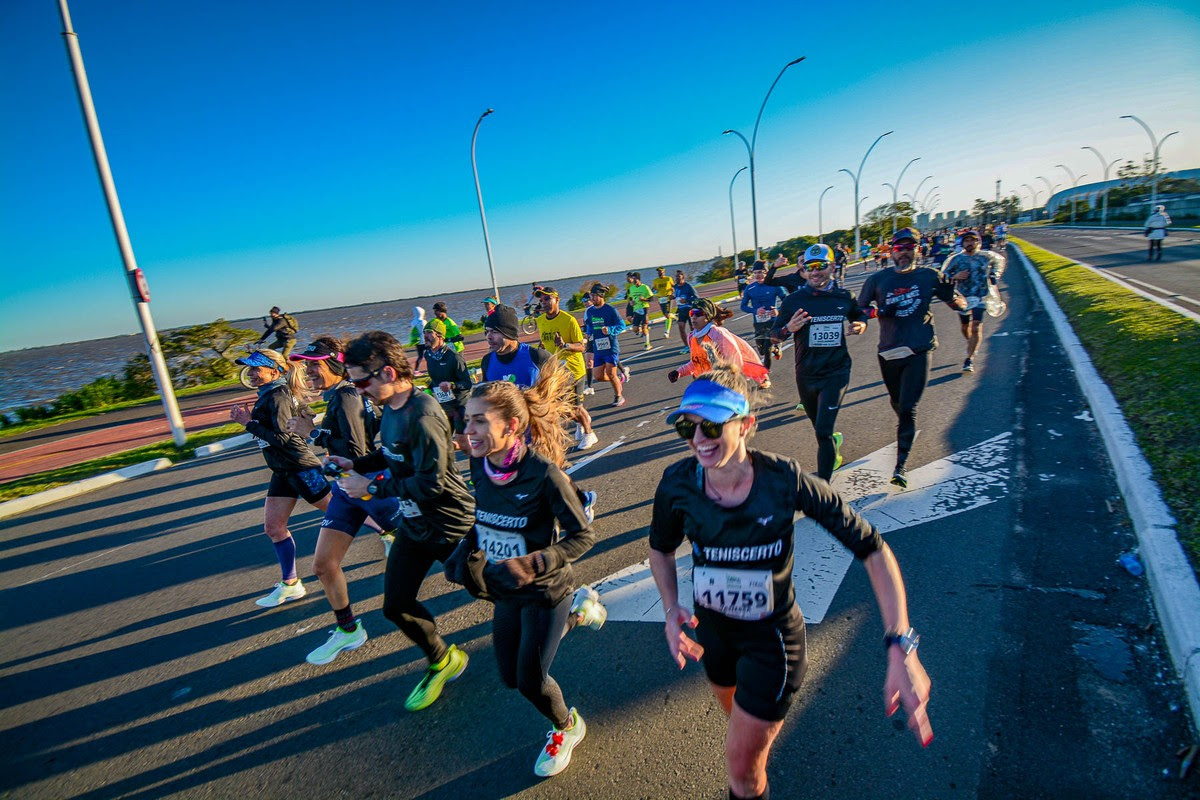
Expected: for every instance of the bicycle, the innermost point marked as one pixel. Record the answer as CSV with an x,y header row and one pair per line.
x,y
528,324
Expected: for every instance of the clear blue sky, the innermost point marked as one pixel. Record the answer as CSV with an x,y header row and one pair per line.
x,y
313,154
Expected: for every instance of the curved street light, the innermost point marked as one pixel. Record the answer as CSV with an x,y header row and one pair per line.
x,y
750,149
1074,183
854,176
928,194
917,192
732,226
1033,199
895,190
1051,188
1157,145
1107,166
821,216
487,242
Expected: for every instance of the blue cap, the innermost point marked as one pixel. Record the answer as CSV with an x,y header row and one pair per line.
x,y
257,359
711,401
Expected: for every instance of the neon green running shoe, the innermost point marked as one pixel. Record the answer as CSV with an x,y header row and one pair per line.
x,y
837,450
430,687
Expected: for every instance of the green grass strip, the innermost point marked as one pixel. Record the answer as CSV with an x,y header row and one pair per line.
x,y
1149,356
98,466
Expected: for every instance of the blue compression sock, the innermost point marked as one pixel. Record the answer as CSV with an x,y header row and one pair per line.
x,y
286,552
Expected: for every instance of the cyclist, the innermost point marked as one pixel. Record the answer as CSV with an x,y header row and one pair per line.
x,y
449,378
900,297
532,303
454,336
561,336
283,327
685,299
529,528
664,289
735,506
709,337
602,325
415,465
759,300
639,295
295,470
815,317
974,271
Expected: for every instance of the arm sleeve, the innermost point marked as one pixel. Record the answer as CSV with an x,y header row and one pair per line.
x,y
746,304
615,327
781,294
786,310
430,437
817,500
666,522
576,535
944,290
866,294
462,375
374,461
277,435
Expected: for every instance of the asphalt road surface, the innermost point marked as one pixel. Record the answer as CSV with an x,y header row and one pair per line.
x,y
137,665
1176,277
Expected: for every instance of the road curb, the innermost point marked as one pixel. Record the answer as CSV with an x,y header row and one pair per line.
x,y
241,440
22,504
1173,584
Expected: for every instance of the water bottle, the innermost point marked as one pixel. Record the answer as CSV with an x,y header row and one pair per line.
x,y
1131,564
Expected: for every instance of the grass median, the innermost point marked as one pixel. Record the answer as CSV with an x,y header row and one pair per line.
x,y
32,484
1149,356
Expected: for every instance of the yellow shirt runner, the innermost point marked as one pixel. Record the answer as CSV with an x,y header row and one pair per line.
x,y
567,327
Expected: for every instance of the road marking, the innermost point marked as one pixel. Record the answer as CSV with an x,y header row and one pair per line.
x,y
964,481
1167,292
594,456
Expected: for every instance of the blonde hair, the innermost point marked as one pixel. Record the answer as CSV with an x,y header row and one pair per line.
x,y
541,409
297,383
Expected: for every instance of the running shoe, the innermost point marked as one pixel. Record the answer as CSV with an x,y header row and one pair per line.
x,y
388,538
766,384
776,352
667,334
685,351
625,376
578,434
620,401
588,440
430,687
588,391
968,366
648,346
587,608
589,506
556,755
837,450
338,641
900,477
281,594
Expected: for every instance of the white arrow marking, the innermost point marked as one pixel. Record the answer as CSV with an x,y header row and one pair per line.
x,y
961,482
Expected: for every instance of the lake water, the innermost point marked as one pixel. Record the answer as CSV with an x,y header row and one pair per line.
x,y
64,367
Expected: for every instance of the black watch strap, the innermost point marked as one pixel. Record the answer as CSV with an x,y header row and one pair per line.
x,y
907,642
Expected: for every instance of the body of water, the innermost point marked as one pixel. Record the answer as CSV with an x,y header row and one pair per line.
x,y
39,374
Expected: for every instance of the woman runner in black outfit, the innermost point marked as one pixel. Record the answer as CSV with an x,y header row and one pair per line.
x,y
530,526
736,505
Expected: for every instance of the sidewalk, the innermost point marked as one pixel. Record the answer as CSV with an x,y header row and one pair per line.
x,y
108,439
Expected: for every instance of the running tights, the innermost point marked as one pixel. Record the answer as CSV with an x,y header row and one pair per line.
x,y
822,400
905,379
762,339
525,639
407,566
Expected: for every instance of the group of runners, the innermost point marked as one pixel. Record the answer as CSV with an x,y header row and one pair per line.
x,y
509,523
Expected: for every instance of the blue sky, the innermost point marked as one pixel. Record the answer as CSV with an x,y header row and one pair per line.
x,y
314,154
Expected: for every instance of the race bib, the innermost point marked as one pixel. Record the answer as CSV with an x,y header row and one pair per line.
x,y
409,509
499,545
763,316
825,334
601,344
745,594
442,396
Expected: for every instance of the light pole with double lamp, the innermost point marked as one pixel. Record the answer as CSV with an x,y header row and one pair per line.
x,y
732,226
1032,199
750,150
1157,144
1051,188
487,242
1107,165
854,176
895,191
1074,182
821,216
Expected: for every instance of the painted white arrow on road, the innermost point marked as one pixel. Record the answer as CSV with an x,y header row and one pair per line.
x,y
961,482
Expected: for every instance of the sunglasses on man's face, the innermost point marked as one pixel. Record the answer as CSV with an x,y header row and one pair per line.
x,y
686,428
904,246
362,383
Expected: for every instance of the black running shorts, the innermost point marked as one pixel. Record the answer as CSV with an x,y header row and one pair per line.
x,y
308,483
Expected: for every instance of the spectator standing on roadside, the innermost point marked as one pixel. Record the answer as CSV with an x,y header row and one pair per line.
x,y
284,328
1156,231
489,305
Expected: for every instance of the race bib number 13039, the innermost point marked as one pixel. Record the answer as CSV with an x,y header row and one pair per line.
x,y
825,334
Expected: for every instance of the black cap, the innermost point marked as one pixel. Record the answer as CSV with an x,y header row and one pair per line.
x,y
600,289
504,320
275,309
546,291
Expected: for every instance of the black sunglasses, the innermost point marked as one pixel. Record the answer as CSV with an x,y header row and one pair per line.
x,y
362,383
686,428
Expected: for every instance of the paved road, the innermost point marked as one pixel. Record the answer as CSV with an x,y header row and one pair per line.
x,y
1176,277
137,665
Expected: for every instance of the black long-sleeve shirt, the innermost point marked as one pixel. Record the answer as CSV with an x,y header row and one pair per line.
x,y
268,425
821,350
350,423
447,364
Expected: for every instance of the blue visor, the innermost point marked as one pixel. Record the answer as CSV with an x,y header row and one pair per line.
x,y
710,401
257,360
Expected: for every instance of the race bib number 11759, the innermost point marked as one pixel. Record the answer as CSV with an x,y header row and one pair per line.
x,y
745,594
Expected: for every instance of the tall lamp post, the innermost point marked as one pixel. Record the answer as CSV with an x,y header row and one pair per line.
x,y
138,290
925,202
917,192
821,216
1074,183
487,242
732,226
1032,198
1050,189
1107,166
854,176
895,191
750,149
1157,145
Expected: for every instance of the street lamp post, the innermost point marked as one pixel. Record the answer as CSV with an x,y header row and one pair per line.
x,y
917,192
1074,183
750,150
1157,145
821,216
1107,166
138,290
732,226
487,242
1032,199
854,176
895,190
1050,189
925,202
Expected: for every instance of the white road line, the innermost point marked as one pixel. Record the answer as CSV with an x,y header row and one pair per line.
x,y
1167,292
594,456
73,566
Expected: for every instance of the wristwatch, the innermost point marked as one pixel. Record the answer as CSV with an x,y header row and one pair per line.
x,y
908,642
